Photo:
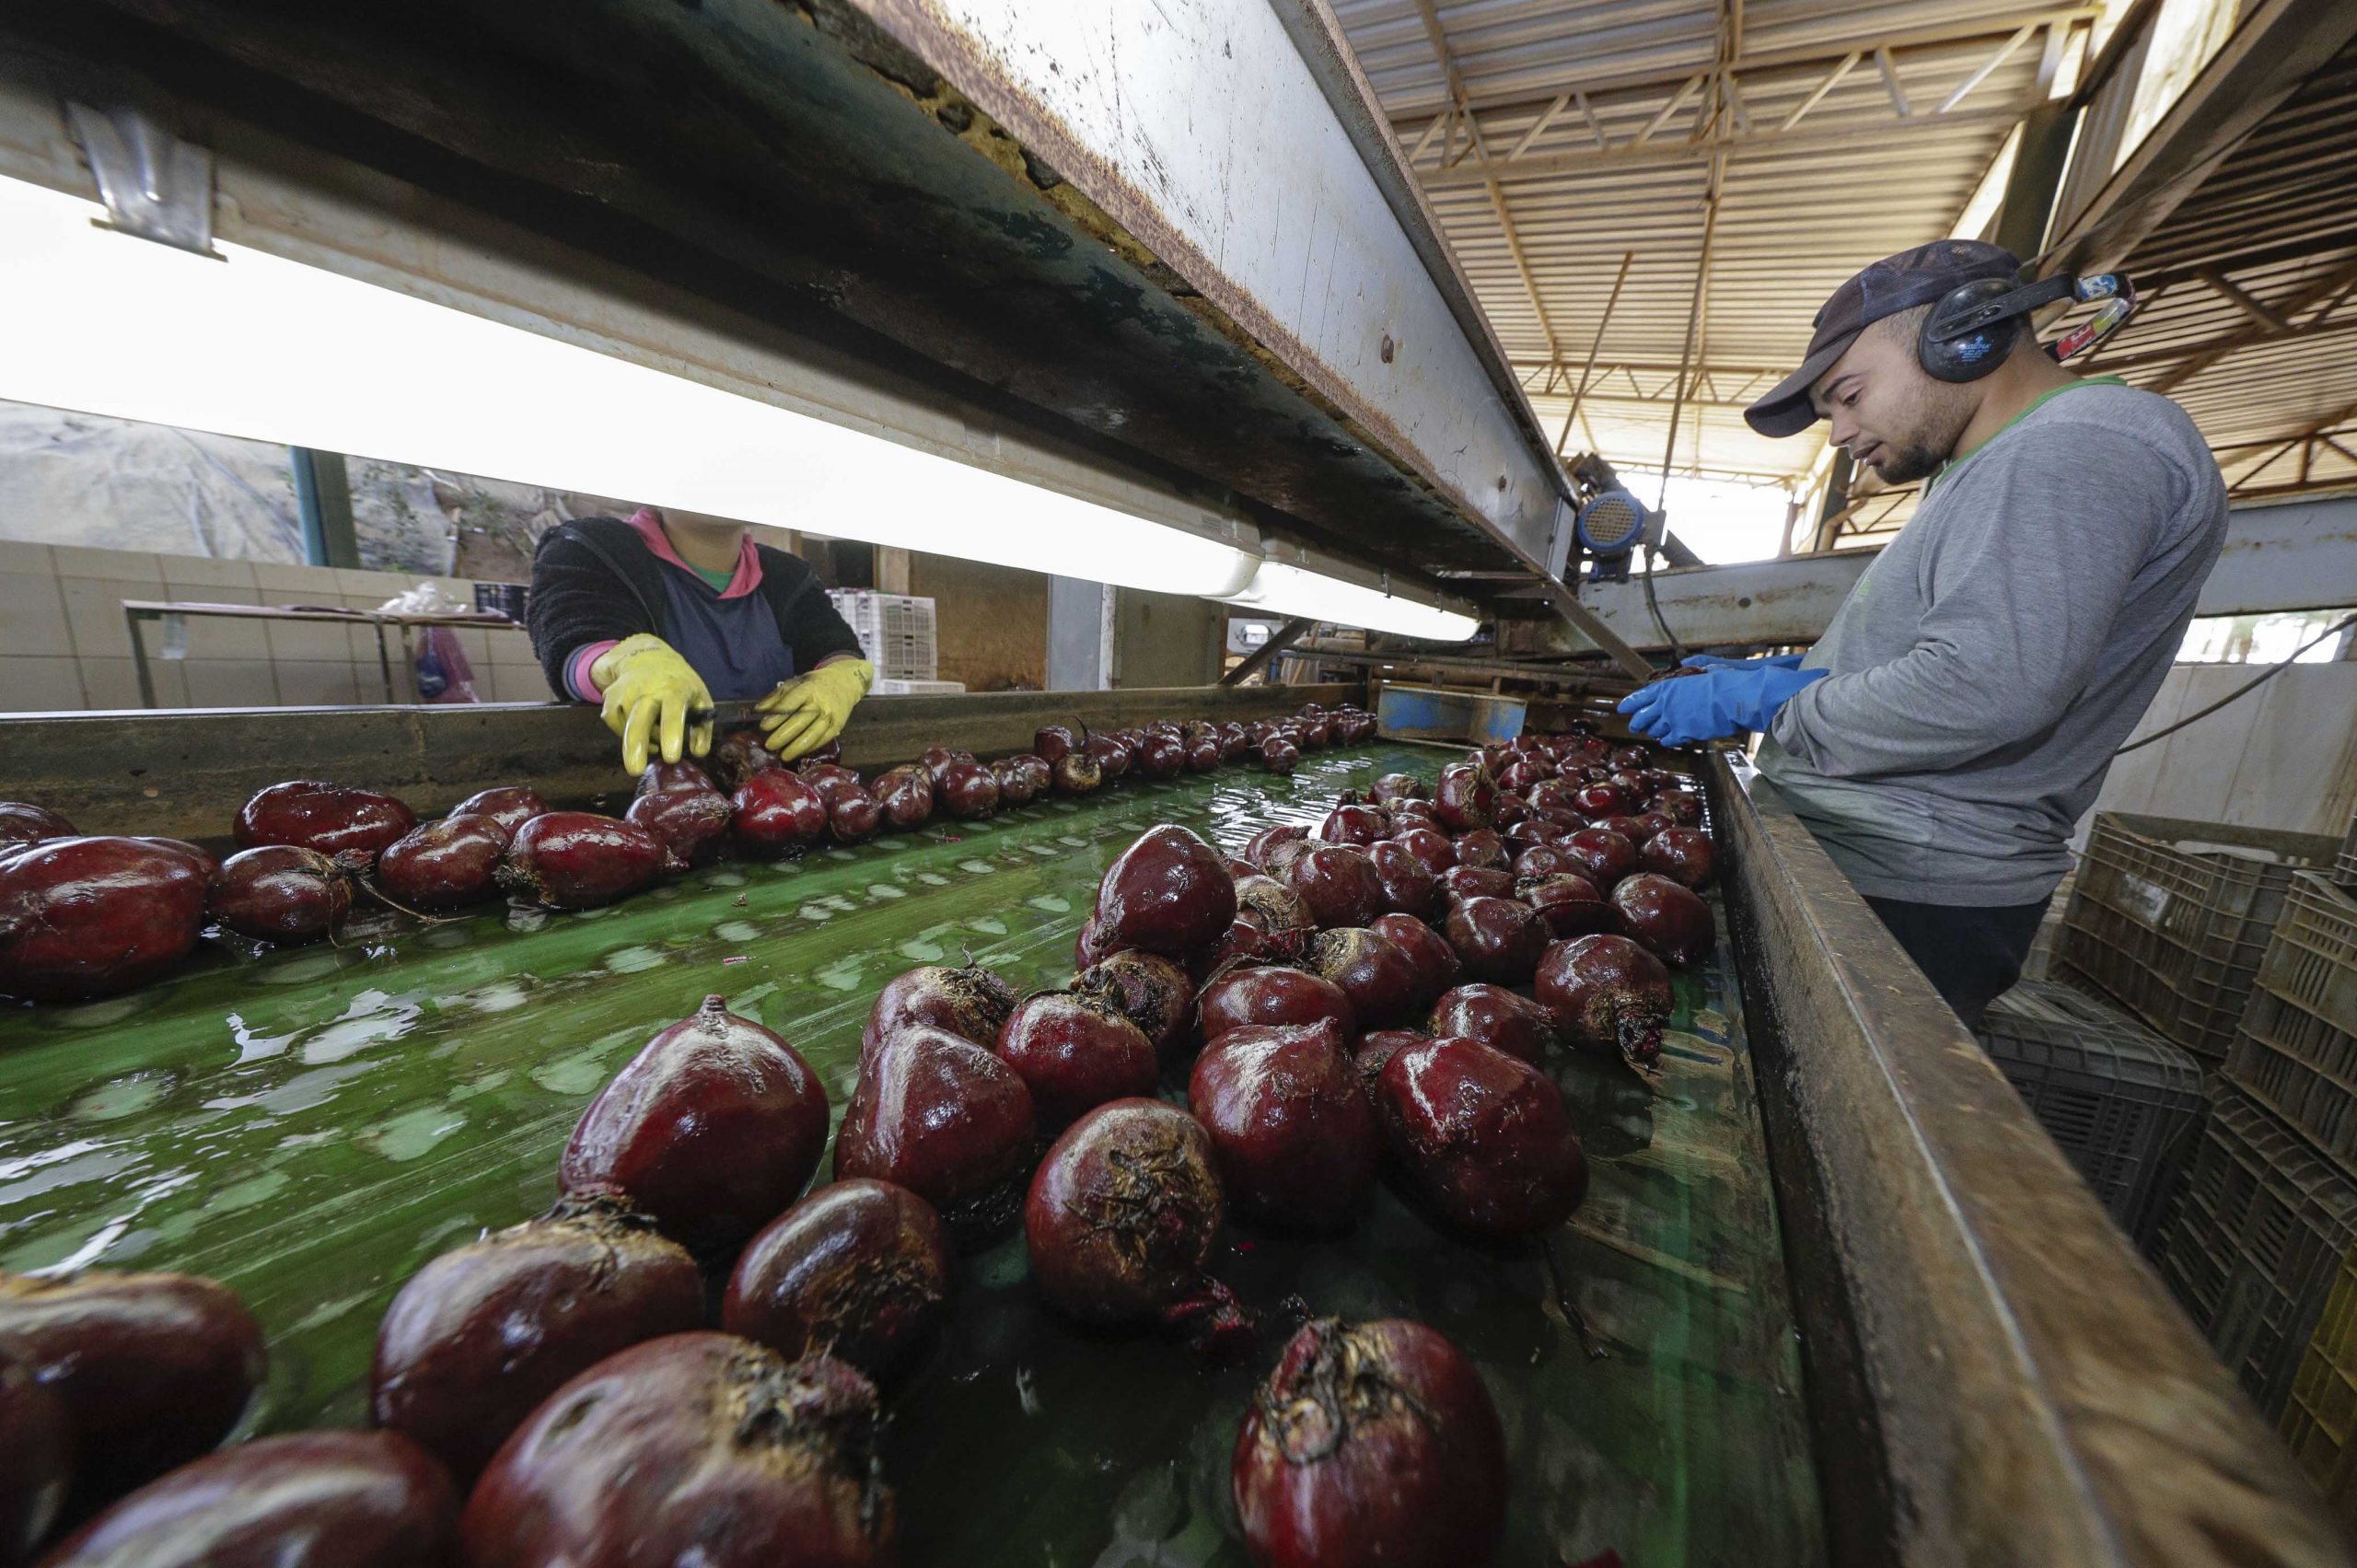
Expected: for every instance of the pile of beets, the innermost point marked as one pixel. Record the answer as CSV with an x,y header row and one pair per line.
x,y
84,917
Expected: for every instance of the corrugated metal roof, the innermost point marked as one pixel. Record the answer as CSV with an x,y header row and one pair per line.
x,y
1600,124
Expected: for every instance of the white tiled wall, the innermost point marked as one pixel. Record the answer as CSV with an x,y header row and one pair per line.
x,y
64,643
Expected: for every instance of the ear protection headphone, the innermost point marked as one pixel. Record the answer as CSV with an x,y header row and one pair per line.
x,y
1976,325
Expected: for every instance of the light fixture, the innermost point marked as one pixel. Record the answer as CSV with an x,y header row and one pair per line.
x,y
258,346
1281,589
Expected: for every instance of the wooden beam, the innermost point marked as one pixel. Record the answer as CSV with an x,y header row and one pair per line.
x,y
1265,655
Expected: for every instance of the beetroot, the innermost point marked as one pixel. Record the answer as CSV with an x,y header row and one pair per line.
x,y
1594,800
710,1130
1502,1020
1291,1128
282,892
1359,825
1567,902
1544,860
512,806
1075,1053
481,1335
1283,856
303,1500
1465,798
148,1370
906,794
1643,827
1670,919
703,1450
1683,806
1685,855
1121,1216
35,1463
1604,855
1499,939
661,775
1257,848
967,790
971,1002
779,812
1371,1443
1375,1048
1148,989
578,860
1016,786
1054,740
443,864
1271,994
92,917
1169,893
1628,828
1482,847
1409,887
1606,993
1430,846
1280,755
1111,754
1632,757
22,822
1375,972
692,824
859,1270
1435,963
1340,886
739,756
1398,786
946,1119
202,859
854,817
1460,882
1482,1139
1274,905
324,817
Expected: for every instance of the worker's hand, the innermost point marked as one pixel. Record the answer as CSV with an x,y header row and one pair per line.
x,y
1713,661
1716,703
808,711
652,698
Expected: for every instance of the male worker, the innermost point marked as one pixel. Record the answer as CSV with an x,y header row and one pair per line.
x,y
1957,717
656,617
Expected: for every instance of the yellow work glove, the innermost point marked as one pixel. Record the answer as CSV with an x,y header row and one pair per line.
x,y
653,694
806,712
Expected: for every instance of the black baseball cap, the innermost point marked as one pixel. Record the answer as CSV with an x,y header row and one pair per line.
x,y
1894,283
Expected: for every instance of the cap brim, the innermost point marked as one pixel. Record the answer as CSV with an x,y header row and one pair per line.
x,y
1786,411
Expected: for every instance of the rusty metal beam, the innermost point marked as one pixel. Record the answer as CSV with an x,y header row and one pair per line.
x,y
1266,654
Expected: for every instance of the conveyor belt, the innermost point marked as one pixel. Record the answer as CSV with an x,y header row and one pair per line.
x,y
312,1126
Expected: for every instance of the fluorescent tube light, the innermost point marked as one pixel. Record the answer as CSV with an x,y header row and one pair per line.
x,y
1278,589
271,350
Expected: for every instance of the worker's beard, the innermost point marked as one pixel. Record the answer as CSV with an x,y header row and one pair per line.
x,y
1935,418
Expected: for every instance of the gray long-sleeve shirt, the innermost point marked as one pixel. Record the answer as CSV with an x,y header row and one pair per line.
x,y
1987,667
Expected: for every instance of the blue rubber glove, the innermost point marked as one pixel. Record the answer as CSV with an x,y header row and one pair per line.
x,y
1720,701
1713,661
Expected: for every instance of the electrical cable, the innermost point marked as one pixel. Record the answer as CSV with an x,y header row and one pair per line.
x,y
2241,691
1653,560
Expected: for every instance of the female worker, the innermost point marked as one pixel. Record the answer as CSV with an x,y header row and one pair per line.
x,y
656,617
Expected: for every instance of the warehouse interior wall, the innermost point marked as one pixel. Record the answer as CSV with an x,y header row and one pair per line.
x,y
991,621
1166,640
2284,757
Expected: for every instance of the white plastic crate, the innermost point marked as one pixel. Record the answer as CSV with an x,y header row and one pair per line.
x,y
887,686
895,631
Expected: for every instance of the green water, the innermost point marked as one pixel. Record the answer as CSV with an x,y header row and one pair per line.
x,y
311,1126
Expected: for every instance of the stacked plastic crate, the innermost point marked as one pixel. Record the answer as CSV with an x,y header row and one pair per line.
x,y
897,632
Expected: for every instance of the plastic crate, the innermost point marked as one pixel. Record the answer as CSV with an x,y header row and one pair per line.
x,y
2296,1052
2255,1239
2121,1103
2169,918
2344,869
2321,1412
887,687
895,632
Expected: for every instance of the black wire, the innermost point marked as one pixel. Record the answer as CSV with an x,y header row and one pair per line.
x,y
1676,649
2243,690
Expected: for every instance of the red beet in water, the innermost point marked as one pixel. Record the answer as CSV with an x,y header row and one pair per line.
x,y
1257,848
35,1462
710,1130
661,775
1169,893
1499,939
1271,904
1567,902
1604,855
1339,884
1465,798
512,806
1685,855
859,1270
1399,786
1291,1127
1359,825
1075,1053
1606,993
282,892
303,1500
578,860
967,790
1379,978
971,1002
1271,994
906,794
1502,1020
1371,1443
1148,989
1483,847
1053,740
148,1370
779,812
1683,806
324,817
703,1450
1435,963
1670,919
1014,785
481,1335
1122,1213
739,756
1430,846
445,865
692,824
21,822
1460,882
1409,886
1280,755
202,859
92,917
946,1119
1482,1139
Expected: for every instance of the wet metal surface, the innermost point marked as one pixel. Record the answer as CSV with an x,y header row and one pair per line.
x,y
313,1126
